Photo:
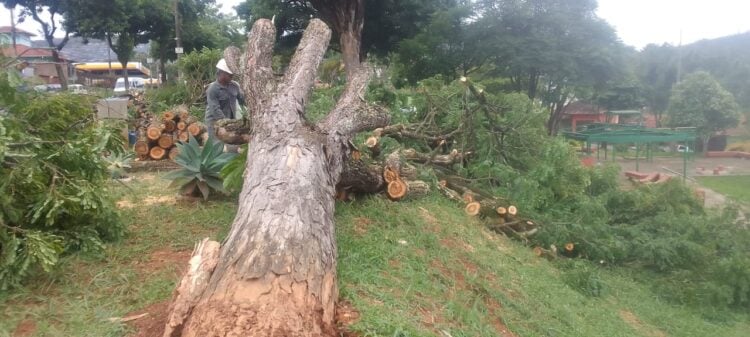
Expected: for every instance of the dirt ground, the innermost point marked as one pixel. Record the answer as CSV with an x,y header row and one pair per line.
x,y
697,166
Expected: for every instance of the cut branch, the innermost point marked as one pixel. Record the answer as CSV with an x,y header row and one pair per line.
x,y
233,131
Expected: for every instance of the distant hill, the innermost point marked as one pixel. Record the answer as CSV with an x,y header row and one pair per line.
x,y
727,58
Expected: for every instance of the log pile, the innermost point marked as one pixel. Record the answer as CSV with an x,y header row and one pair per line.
x,y
157,135
497,213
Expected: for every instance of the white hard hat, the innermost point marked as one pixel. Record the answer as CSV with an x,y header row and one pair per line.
x,y
222,65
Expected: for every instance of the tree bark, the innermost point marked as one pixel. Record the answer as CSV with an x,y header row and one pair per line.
x,y
276,274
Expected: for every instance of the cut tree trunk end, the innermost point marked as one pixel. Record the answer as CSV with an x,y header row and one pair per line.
x,y
157,153
472,208
154,131
373,144
397,189
196,129
166,141
168,116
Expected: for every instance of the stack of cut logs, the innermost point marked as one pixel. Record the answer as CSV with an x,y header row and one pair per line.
x,y
156,136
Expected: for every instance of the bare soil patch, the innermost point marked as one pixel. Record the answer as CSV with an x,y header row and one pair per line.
x,y
637,325
346,315
361,225
151,325
25,328
160,260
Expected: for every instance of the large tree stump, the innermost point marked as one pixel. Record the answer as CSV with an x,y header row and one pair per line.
x,y
276,274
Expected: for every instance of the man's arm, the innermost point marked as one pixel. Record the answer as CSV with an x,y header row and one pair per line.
x,y
213,109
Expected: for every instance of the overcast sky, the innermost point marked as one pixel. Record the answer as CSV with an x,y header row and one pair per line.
x,y
638,22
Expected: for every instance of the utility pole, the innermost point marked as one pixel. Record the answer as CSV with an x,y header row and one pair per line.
x,y
679,59
13,29
177,32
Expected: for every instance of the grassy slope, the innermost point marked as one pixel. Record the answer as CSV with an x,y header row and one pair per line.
x,y
735,187
415,268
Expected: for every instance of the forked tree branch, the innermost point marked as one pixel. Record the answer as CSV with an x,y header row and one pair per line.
x,y
303,68
257,81
352,114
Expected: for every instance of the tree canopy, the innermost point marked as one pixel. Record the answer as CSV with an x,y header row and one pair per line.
x,y
700,101
55,8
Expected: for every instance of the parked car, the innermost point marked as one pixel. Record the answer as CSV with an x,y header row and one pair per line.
x,y
684,148
136,84
77,89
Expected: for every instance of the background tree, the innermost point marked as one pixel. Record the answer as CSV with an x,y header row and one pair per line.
x,y
384,23
56,9
448,45
700,101
657,71
122,23
553,51
203,26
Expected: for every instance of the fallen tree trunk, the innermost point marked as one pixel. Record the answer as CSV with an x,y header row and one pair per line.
x,y
276,274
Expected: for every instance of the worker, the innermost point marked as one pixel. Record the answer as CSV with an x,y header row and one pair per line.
x,y
223,96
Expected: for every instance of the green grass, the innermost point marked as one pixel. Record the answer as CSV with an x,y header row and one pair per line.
x,y
735,187
415,268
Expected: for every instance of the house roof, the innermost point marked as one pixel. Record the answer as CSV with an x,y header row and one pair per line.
x,y
25,52
581,108
9,29
89,50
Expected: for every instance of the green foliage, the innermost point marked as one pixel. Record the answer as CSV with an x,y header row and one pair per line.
x,y
584,278
199,70
700,101
200,172
162,98
233,173
53,184
386,22
203,25
443,47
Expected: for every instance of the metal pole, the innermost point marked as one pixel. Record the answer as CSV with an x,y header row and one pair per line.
x,y
637,166
13,29
605,151
684,162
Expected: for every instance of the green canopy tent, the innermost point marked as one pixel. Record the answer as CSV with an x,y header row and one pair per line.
x,y
633,134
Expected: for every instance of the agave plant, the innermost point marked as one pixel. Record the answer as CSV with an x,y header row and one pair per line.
x,y
118,163
199,174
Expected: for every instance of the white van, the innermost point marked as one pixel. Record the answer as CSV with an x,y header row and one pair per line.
x,y
136,84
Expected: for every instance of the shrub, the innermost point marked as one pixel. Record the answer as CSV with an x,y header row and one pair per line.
x,y
198,71
163,98
53,195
